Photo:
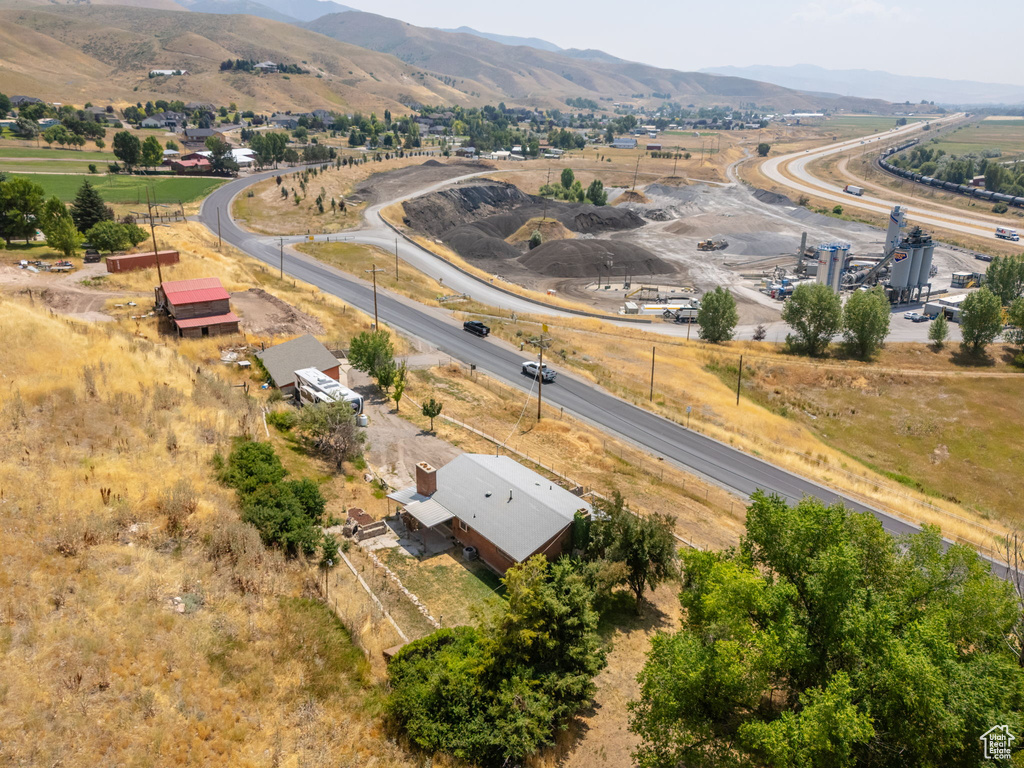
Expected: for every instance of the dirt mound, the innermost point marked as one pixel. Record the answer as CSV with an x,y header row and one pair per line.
x,y
587,258
680,227
771,198
431,164
629,196
684,194
550,229
441,212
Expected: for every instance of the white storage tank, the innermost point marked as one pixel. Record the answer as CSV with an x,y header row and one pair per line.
x,y
916,254
900,274
925,275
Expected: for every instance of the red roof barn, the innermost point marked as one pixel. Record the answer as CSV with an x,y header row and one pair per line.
x,y
199,307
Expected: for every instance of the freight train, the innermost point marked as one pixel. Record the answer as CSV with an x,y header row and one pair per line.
x,y
949,186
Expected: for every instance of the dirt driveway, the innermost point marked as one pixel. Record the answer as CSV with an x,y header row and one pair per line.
x,y
63,293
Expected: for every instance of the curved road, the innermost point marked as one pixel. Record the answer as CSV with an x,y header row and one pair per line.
x,y
697,453
792,171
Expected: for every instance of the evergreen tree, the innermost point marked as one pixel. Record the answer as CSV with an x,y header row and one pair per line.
x,y
88,208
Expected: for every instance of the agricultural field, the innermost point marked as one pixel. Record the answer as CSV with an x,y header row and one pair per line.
x,y
47,166
1006,136
130,189
851,126
44,153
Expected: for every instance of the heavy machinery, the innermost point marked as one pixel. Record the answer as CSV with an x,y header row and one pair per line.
x,y
712,245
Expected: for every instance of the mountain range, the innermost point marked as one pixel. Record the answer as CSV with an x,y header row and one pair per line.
x,y
79,52
873,84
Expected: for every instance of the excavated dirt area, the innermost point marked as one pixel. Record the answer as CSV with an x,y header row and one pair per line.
x,y
477,220
265,315
392,184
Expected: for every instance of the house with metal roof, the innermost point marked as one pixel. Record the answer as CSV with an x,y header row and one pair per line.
x,y
507,512
197,308
624,142
283,360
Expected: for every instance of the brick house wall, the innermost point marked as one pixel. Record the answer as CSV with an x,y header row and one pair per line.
x,y
500,561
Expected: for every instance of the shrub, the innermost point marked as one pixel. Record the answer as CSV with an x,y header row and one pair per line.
x,y
1000,208
282,420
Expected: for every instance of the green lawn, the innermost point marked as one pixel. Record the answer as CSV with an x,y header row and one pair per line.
x,y
56,154
44,166
851,126
130,189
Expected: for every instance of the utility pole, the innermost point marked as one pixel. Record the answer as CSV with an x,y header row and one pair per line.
x,y
152,229
542,342
635,172
374,271
739,380
652,373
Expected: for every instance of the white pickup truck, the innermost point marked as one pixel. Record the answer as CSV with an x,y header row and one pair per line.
x,y
530,368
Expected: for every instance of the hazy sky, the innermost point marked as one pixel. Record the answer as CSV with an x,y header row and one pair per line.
x,y
950,37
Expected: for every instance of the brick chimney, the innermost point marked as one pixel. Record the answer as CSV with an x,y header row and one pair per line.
x,y
426,479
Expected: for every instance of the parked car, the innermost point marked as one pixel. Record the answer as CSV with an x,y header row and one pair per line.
x,y
476,327
530,368
916,317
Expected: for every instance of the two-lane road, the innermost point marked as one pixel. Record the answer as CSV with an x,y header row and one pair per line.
x,y
725,466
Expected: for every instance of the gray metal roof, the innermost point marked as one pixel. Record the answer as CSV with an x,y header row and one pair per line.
x,y
511,506
429,512
282,360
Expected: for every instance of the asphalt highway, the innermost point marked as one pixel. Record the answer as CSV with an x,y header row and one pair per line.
x,y
725,466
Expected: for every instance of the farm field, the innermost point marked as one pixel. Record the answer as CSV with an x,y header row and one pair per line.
x,y
55,154
36,167
130,189
1007,136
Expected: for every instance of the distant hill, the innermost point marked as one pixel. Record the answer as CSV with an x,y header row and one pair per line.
x,y
872,84
535,77
103,53
530,42
248,7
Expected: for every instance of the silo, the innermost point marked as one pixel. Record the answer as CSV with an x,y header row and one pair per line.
x,y
824,265
892,235
898,278
925,276
916,254
838,261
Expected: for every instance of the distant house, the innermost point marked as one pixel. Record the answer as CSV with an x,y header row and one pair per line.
x,y
241,155
169,155
655,147
195,106
303,352
169,120
501,154
624,142
48,122
267,67
465,152
291,122
20,101
506,511
196,137
194,167
167,72
197,308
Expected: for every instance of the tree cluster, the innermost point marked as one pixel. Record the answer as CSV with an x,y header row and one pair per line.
x,y
287,513
373,353
329,429
824,641
496,693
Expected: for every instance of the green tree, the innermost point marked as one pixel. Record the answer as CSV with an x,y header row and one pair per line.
x,y
371,350
134,233
152,152
717,316
432,409
62,235
866,321
108,236
994,177
596,193
644,546
401,375
837,210
5,105
21,202
536,239
221,159
1015,314
386,374
88,208
329,429
815,313
1005,278
824,641
939,330
568,177
127,149
981,320
763,149
52,210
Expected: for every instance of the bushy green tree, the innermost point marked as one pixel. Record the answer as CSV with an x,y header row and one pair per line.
x,y
866,321
108,236
21,202
152,152
824,641
763,149
1015,314
596,193
1005,278
127,149
62,235
370,351
568,178
939,330
495,694
815,314
981,320
88,208
717,316
431,409
330,430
